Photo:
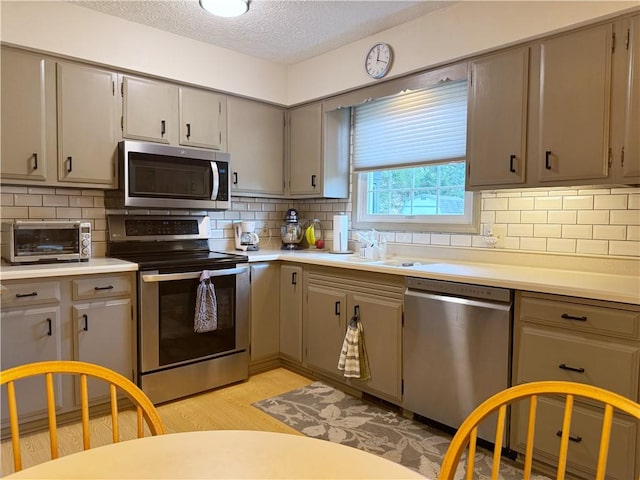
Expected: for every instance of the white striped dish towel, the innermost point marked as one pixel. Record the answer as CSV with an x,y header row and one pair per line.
x,y
206,315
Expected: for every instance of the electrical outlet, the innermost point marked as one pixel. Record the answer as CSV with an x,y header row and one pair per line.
x,y
265,230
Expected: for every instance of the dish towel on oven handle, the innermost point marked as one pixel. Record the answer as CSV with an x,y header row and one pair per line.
x,y
353,356
206,315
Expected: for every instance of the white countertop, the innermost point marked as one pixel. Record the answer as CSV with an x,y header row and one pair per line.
x,y
93,266
598,286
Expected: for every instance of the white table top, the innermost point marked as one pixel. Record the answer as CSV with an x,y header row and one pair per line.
x,y
220,454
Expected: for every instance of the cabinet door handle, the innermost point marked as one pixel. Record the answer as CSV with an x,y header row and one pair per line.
x,y
337,308
547,159
35,160
49,327
313,181
512,159
566,316
86,322
235,178
70,165
572,369
188,130
108,287
163,127
294,278
22,295
576,439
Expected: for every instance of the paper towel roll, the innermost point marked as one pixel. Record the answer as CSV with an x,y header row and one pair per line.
x,y
340,232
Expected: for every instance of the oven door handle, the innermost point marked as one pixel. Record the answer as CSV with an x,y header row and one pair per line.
x,y
169,277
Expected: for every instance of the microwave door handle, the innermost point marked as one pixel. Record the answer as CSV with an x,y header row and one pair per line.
x,y
216,180
168,277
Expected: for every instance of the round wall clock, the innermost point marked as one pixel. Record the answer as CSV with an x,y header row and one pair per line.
x,y
378,60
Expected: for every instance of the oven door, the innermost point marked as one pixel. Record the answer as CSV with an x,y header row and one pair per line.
x,y
167,305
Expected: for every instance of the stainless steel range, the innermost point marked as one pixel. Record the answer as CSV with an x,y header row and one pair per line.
x,y
171,253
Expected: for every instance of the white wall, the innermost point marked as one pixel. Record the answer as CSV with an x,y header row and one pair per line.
x,y
462,29
454,32
69,30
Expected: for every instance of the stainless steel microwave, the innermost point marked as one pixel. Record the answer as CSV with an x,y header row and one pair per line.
x,y
30,241
168,177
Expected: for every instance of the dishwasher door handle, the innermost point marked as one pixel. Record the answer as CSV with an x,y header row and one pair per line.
x,y
471,302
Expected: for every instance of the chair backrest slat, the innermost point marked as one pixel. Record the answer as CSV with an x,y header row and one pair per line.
x,y
15,429
613,403
145,411
113,394
471,457
497,449
531,431
84,406
605,437
51,412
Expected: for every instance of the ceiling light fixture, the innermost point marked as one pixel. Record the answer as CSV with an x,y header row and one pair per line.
x,y
225,8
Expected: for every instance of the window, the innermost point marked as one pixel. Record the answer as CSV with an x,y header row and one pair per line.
x,y
409,160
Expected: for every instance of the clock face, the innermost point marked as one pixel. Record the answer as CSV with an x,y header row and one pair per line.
x,y
378,61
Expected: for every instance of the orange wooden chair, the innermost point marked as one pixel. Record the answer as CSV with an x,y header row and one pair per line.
x,y
466,436
118,384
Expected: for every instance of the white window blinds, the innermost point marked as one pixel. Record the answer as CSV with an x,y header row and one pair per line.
x,y
418,127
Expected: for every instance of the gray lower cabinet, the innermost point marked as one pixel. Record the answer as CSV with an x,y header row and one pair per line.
x,y
332,298
88,318
265,308
291,296
570,339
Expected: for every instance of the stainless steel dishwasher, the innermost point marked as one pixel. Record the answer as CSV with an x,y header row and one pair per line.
x,y
457,349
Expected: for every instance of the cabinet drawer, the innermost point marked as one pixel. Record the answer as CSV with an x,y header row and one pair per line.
x,y
16,294
586,318
102,286
586,425
554,355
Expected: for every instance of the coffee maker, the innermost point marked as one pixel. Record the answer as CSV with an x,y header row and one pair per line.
x,y
246,237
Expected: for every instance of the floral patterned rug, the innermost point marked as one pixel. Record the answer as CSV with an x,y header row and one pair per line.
x,y
321,411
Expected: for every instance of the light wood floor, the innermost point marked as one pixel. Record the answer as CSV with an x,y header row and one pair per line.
x,y
222,409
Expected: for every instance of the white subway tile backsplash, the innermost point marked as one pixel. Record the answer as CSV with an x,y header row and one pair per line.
x,y
495,204
624,248
537,244
625,217
547,231
520,230
522,203
533,216
610,202
592,247
507,216
564,245
548,203
610,232
562,216
577,231
593,217
584,220
578,202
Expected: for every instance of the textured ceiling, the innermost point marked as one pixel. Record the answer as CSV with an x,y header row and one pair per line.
x,y
282,31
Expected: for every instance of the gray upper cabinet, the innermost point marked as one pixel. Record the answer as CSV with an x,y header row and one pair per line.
x,y
88,116
149,110
574,106
318,162
256,143
28,116
202,118
625,137
497,119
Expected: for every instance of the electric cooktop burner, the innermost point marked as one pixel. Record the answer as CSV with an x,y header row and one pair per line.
x,y
165,243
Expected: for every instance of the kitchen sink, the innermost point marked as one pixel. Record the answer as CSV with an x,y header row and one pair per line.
x,y
400,263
